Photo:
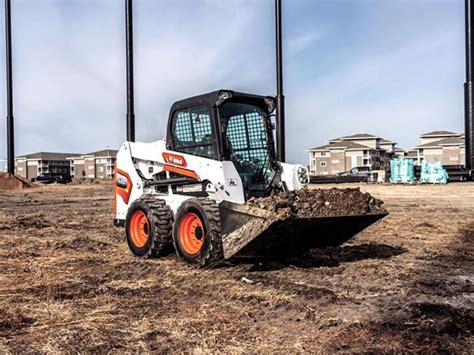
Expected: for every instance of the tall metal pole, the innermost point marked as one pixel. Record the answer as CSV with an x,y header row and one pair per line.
x,y
280,118
130,89
10,127
468,87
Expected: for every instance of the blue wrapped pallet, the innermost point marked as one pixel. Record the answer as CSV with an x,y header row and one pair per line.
x,y
402,171
433,173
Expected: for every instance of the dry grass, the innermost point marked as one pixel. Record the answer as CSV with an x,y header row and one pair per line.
x,y
69,283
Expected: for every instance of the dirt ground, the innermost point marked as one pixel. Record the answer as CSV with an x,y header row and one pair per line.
x,y
69,283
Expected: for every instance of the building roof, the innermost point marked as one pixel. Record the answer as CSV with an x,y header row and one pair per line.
x,y
359,136
104,153
321,147
341,144
434,144
452,141
347,142
446,141
48,156
362,136
439,134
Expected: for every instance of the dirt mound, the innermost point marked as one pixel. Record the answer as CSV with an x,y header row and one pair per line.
x,y
13,182
307,203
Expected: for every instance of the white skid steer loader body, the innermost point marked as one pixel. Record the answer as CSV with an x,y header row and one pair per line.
x,y
138,162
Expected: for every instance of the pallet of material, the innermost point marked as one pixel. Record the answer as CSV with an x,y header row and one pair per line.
x,y
456,173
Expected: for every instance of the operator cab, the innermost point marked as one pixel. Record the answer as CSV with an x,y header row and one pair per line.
x,y
231,126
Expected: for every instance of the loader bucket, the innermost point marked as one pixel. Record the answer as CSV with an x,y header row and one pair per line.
x,y
256,231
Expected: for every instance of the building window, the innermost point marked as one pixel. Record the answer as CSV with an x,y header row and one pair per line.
x,y
323,154
323,164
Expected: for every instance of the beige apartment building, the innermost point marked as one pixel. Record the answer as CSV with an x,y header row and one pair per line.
x,y
441,146
95,165
344,153
30,166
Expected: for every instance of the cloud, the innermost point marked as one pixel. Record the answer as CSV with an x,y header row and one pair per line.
x,y
302,41
349,67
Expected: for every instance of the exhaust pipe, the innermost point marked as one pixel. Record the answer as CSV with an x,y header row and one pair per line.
x,y
280,113
130,88
468,89
10,126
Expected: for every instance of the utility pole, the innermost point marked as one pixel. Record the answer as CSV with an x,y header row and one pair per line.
x,y
10,126
468,89
130,89
280,113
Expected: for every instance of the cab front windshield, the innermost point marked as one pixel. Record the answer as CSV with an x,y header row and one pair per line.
x,y
247,142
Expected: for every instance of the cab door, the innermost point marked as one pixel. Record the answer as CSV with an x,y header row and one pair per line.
x,y
193,132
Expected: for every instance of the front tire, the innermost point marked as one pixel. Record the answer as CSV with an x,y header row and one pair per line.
x,y
197,233
148,227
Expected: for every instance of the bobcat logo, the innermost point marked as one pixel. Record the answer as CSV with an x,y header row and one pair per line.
x,y
174,159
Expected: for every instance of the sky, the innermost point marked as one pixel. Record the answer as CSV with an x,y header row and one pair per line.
x,y
393,68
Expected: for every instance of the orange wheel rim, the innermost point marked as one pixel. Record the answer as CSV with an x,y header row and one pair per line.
x,y
191,233
139,229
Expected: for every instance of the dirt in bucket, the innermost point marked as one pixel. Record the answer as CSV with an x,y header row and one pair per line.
x,y
321,202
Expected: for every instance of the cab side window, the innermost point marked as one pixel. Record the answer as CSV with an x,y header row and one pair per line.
x,y
193,133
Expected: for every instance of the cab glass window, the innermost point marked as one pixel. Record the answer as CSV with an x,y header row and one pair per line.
x,y
192,132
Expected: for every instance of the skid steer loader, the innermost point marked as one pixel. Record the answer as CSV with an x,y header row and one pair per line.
x,y
190,189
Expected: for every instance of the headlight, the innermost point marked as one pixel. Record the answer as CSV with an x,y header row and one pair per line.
x,y
271,103
224,95
121,181
302,175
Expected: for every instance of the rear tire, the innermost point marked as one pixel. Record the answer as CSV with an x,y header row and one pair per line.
x,y
197,235
148,227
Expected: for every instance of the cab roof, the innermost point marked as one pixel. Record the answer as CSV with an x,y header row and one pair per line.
x,y
214,98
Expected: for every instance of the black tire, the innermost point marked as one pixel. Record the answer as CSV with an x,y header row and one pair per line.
x,y
210,252
159,227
